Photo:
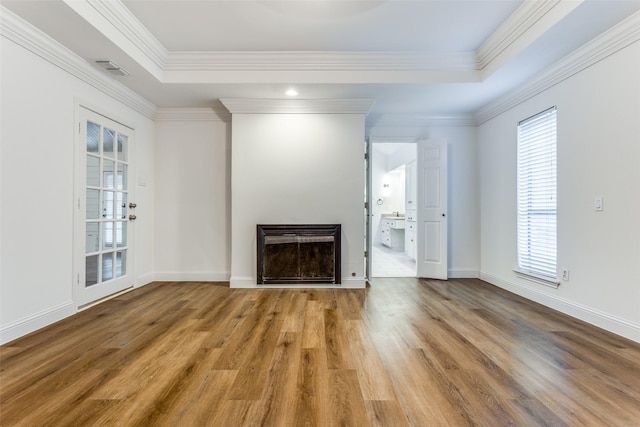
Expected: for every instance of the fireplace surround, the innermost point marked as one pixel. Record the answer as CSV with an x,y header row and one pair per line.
x,y
298,254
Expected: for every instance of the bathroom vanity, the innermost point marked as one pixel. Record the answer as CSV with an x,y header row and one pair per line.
x,y
392,232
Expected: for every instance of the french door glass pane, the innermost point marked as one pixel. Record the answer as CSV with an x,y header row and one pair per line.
x,y
121,234
123,141
121,205
107,235
91,270
109,166
107,205
107,266
122,176
121,263
107,142
93,138
93,237
93,171
93,204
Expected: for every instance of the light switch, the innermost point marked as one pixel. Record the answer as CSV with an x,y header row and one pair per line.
x,y
598,203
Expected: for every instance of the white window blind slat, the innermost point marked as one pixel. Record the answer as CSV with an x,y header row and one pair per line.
x,y
537,195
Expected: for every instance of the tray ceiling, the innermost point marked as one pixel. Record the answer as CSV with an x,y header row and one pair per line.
x,y
416,57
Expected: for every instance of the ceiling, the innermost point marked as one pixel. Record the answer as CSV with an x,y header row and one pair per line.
x,y
413,57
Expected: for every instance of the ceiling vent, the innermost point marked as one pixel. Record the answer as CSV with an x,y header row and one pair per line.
x,y
112,67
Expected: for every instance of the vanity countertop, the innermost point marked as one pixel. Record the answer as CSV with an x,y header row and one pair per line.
x,y
393,216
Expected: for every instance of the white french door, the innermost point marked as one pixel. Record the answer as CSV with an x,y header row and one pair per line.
x,y
431,257
104,217
367,210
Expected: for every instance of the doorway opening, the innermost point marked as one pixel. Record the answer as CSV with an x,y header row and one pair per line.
x,y
393,209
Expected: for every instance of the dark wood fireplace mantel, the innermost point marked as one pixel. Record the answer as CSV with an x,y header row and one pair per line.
x,y
298,254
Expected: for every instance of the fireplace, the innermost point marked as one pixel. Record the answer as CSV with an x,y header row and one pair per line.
x,y
298,254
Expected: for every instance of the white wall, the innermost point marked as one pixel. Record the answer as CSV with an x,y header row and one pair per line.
x,y
37,182
393,195
193,201
297,168
464,202
598,155
405,154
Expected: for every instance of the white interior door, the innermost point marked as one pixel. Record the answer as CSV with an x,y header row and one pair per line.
x,y
367,210
104,218
431,256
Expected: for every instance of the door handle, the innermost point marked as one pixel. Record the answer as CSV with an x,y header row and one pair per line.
x,y
132,205
132,217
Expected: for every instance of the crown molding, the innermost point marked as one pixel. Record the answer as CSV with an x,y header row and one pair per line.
x,y
298,106
608,43
126,22
304,61
26,35
418,121
512,29
193,114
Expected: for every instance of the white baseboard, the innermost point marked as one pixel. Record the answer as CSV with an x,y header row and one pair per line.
x,y
36,321
250,282
590,315
145,279
242,282
353,282
463,273
192,276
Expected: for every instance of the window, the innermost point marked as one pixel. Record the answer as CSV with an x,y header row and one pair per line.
x,y
537,196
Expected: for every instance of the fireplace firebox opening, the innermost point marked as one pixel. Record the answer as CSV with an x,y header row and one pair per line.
x,y
298,254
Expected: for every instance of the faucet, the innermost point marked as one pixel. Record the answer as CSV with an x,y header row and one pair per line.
x,y
397,213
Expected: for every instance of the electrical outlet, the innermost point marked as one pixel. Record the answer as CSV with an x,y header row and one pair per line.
x,y
565,274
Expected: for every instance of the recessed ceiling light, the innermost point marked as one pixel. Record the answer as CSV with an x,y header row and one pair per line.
x,y
291,92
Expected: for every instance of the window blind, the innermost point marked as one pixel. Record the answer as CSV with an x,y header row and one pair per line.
x,y
537,195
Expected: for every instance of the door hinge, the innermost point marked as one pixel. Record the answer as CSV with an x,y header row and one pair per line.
x,y
78,279
79,127
366,254
366,156
366,205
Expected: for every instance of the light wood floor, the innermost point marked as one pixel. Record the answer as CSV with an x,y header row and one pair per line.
x,y
402,352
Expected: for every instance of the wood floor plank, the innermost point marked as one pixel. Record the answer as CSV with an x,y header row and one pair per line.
x,y
383,413
313,329
311,401
336,343
248,333
402,352
198,403
294,315
258,354
346,405
277,403
184,388
86,413
20,409
373,379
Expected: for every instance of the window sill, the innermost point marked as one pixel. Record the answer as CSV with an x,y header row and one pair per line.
x,y
546,281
